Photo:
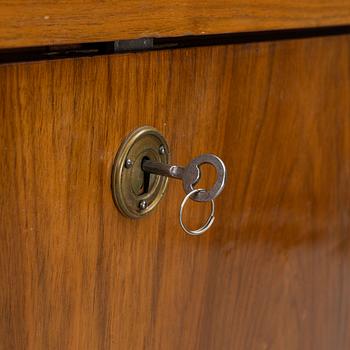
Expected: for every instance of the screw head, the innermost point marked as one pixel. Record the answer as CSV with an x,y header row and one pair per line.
x,y
128,163
143,205
162,149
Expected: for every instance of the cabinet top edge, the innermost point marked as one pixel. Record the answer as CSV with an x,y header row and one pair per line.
x,y
39,23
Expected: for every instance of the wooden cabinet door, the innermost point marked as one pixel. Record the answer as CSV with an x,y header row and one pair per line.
x,y
272,272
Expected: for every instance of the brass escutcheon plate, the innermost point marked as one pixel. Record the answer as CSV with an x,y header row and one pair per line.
x,y
136,193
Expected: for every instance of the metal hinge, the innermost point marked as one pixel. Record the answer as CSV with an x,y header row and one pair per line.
x,y
133,45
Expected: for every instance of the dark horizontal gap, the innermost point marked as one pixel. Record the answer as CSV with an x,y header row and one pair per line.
x,y
148,44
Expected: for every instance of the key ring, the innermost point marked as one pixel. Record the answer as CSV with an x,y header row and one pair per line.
x,y
209,221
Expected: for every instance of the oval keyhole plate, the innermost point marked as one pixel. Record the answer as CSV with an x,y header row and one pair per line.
x,y
135,192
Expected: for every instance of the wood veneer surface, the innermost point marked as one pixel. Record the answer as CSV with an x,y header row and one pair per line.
x,y
35,23
272,273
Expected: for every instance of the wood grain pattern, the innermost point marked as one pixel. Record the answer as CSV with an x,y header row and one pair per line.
x,y
34,23
273,271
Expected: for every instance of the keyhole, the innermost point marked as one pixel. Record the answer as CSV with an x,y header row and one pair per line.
x,y
146,180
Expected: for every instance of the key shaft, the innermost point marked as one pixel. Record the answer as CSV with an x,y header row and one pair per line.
x,y
173,171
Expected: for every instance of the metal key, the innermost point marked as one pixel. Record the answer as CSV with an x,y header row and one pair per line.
x,y
190,175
